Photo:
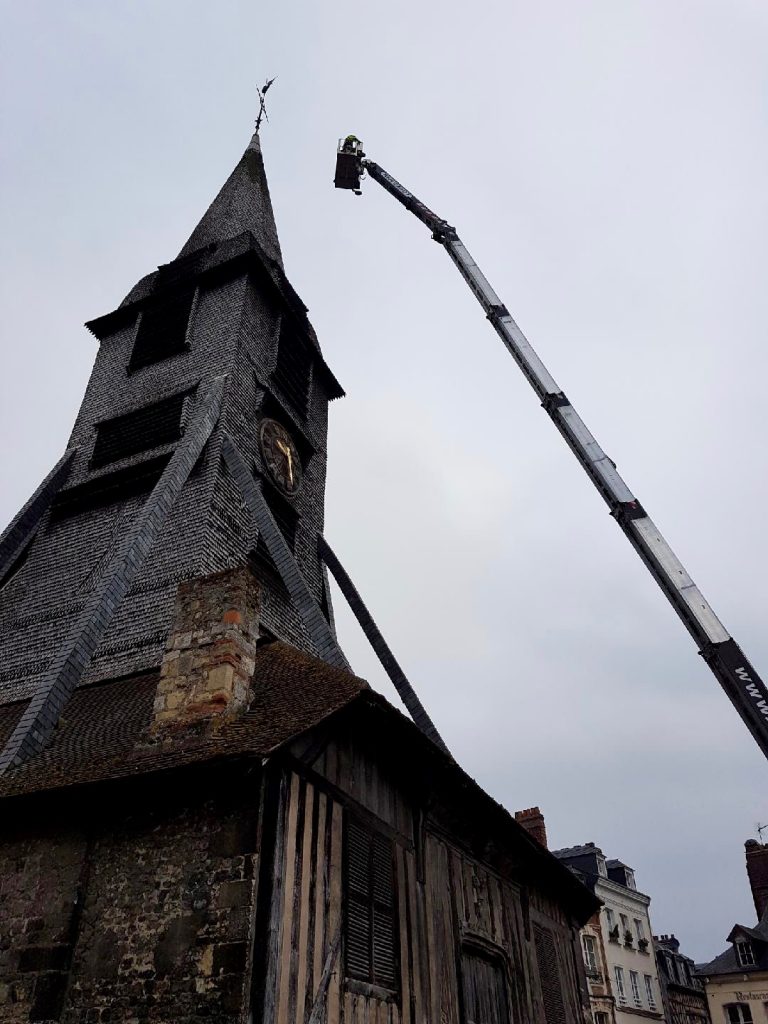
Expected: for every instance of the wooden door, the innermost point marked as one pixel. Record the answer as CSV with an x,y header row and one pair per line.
x,y
484,989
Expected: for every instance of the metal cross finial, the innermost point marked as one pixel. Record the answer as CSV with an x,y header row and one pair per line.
x,y
262,104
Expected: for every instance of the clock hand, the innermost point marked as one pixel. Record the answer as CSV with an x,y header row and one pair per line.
x,y
287,452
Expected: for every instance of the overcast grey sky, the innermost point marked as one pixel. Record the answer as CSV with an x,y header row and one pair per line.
x,y
606,163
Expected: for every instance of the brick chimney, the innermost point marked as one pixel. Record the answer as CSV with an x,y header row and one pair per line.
x,y
757,872
532,821
205,676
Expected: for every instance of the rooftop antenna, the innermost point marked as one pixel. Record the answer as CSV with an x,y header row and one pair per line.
x,y
262,103
760,829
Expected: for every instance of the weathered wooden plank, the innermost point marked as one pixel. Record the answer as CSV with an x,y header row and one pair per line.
x,y
334,912
415,920
449,1007
317,1013
332,763
286,927
405,973
304,885
458,888
433,911
321,877
495,897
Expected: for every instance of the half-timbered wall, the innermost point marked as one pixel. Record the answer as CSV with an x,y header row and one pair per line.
x,y
462,927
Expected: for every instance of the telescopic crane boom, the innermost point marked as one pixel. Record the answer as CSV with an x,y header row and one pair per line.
x,y
743,686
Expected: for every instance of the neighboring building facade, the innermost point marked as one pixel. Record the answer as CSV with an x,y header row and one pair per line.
x,y
736,982
207,818
616,942
682,990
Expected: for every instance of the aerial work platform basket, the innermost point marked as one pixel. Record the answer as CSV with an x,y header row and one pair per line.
x,y
349,164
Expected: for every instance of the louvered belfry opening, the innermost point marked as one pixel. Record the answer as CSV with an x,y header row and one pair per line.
x,y
163,327
146,428
549,975
370,950
293,370
109,488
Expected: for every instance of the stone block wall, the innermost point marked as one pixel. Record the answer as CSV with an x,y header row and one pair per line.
x,y
147,916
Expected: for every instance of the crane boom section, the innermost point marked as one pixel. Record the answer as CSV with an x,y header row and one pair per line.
x,y
738,678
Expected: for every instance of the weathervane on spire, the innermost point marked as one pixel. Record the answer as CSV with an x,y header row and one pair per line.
x,y
262,104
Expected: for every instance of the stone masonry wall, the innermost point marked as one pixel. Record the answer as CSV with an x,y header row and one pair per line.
x,y
147,917
209,659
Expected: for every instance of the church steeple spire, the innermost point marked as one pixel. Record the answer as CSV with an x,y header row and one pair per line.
x,y
213,347
243,204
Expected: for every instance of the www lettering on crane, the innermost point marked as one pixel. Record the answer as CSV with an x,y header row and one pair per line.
x,y
762,705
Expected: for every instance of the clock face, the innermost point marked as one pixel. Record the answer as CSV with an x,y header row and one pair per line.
x,y
280,456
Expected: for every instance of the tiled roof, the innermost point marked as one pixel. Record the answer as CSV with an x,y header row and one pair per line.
x,y
101,734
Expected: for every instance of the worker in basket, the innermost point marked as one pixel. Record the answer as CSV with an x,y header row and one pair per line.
x,y
350,144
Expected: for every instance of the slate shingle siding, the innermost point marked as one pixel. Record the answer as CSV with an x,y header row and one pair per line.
x,y
234,331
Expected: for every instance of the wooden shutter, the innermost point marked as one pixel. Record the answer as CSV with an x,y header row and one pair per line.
x,y
549,975
370,932
383,913
357,940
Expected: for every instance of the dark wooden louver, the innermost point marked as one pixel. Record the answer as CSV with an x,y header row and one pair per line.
x,y
150,427
293,371
549,975
108,489
370,932
163,328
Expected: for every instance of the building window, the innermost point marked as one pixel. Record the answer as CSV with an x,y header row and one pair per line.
x,y
370,921
649,991
621,995
745,955
630,878
590,953
139,431
626,934
639,930
162,330
601,1017
610,919
738,1013
634,981
601,869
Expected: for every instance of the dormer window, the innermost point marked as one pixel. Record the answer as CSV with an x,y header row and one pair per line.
x,y
630,876
744,953
601,869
